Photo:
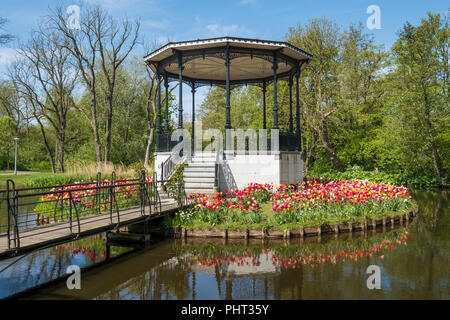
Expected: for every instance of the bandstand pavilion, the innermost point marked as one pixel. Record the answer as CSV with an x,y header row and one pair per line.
x,y
231,62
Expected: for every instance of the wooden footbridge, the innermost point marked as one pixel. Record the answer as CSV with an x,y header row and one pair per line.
x,y
67,212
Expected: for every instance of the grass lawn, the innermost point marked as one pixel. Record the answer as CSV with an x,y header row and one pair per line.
x,y
19,179
45,178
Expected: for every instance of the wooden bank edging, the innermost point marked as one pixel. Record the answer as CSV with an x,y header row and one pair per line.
x,y
295,233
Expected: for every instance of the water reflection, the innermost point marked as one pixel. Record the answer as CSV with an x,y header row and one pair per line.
x,y
413,259
44,265
26,216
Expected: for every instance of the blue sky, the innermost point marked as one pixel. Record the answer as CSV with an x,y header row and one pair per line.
x,y
179,20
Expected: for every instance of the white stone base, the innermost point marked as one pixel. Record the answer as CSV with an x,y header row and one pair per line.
x,y
281,168
160,157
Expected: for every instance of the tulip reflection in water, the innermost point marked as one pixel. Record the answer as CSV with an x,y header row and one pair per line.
x,y
256,258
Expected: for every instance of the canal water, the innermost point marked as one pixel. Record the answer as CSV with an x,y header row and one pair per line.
x,y
413,261
26,216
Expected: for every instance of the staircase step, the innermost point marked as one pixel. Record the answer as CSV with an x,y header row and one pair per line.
x,y
199,174
202,168
189,180
201,164
206,160
200,185
204,155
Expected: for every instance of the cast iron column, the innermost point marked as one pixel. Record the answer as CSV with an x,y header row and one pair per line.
x,y
264,104
158,114
291,125
193,119
275,103
228,118
297,113
166,120
180,84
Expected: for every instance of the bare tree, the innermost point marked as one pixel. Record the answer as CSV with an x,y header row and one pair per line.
x,y
120,39
103,44
46,79
11,106
4,37
21,75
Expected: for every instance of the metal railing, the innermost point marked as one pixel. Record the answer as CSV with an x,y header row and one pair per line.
x,y
167,167
59,204
218,160
228,176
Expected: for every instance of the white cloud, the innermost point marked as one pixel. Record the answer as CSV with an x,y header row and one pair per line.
x,y
8,55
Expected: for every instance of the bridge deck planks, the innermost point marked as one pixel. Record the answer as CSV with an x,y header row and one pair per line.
x,y
41,236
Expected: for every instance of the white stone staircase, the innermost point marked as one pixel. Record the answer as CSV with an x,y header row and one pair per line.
x,y
199,175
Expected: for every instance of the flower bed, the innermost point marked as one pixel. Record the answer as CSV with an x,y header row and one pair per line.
x,y
312,203
87,199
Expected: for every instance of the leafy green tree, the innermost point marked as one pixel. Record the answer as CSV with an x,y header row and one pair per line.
x,y
321,100
361,104
420,99
6,141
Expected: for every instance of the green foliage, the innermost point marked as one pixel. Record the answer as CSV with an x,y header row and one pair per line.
x,y
60,179
137,167
43,180
175,182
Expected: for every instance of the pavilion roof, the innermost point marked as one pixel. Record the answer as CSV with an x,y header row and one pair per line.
x,y
251,60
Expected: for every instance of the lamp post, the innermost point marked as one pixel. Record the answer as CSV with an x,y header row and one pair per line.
x,y
16,139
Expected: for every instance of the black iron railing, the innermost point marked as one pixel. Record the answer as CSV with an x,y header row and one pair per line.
x,y
72,202
167,167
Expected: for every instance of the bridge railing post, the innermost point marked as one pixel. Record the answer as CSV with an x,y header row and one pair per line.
x,y
61,207
142,192
8,214
111,190
98,191
157,198
15,212
72,203
12,214
70,211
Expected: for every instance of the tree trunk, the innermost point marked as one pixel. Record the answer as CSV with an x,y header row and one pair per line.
x,y
94,125
60,151
47,147
430,136
108,129
149,147
7,158
323,134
